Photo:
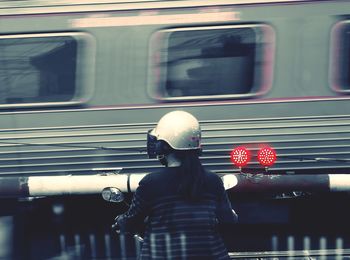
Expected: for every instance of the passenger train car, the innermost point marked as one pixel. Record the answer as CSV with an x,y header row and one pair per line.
x,y
81,82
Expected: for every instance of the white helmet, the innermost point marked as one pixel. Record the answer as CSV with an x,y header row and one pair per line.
x,y
179,129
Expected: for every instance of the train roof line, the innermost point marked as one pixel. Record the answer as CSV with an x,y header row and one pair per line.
x,y
8,7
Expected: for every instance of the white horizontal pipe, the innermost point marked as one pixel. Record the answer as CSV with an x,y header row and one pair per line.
x,y
339,182
134,180
229,180
82,184
94,184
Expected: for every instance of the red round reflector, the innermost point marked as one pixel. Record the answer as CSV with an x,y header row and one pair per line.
x,y
240,156
267,156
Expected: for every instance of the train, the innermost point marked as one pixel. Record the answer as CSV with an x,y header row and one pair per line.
x,y
81,83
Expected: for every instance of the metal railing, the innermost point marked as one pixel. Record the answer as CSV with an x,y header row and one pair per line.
x,y
109,246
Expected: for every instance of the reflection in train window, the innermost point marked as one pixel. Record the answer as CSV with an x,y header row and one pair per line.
x,y
38,69
340,58
211,62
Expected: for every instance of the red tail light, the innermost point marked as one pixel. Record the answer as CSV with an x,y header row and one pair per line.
x,y
240,156
267,156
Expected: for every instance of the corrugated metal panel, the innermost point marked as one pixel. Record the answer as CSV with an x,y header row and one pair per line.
x,y
301,144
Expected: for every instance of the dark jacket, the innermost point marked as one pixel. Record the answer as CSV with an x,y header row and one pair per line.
x,y
178,228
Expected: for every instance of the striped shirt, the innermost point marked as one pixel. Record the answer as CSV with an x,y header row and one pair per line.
x,y
178,228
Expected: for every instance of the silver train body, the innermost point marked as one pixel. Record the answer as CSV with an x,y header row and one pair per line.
x,y
82,82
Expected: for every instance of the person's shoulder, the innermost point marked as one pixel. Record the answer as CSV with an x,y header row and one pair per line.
x,y
153,176
214,183
153,183
211,175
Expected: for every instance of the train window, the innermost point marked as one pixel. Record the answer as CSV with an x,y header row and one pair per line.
x,y
41,69
216,62
340,57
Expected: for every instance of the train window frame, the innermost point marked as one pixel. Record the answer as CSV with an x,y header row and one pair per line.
x,y
337,59
84,69
160,39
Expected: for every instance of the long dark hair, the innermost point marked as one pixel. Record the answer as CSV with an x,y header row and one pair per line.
x,y
192,175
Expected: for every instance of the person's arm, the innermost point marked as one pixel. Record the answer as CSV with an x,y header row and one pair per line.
x,y
225,213
133,219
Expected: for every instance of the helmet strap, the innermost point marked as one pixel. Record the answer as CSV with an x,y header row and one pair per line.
x,y
162,159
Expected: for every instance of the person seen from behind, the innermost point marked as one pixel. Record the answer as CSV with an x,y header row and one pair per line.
x,y
183,202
